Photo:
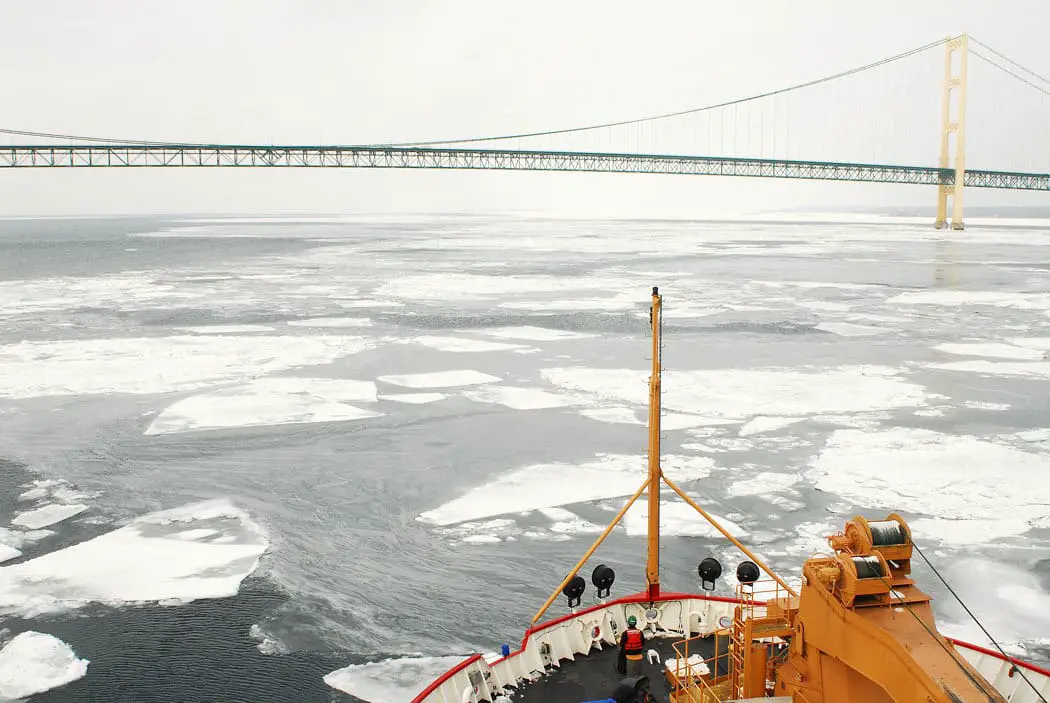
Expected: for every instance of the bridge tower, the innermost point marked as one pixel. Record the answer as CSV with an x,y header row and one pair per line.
x,y
954,92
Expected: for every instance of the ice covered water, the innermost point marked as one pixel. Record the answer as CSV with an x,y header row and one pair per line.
x,y
412,428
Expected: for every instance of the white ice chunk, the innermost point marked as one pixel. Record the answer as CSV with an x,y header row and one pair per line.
x,y
157,364
17,538
143,561
949,477
766,424
268,401
8,553
955,298
332,322
1010,601
1042,343
983,405
521,398
533,334
439,379
998,368
457,344
968,532
677,519
994,349
392,680
414,398
847,329
743,393
363,303
552,485
226,329
34,662
467,286
599,304
1040,435
617,414
565,522
766,482
824,305
47,515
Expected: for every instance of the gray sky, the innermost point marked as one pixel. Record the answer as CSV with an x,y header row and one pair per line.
x,y
274,71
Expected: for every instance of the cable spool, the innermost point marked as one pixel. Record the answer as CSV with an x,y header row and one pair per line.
x,y
887,533
868,567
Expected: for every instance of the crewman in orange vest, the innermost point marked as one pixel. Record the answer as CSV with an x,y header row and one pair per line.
x,y
632,644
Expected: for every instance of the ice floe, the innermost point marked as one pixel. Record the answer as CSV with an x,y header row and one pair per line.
x,y
55,489
993,349
533,334
521,398
414,398
458,344
998,368
678,519
467,286
984,405
565,522
967,532
392,680
766,482
942,476
847,329
742,393
16,539
158,364
1042,343
153,562
1010,601
8,553
553,485
595,304
364,303
47,515
439,379
34,662
268,401
226,329
954,298
761,424
616,414
332,322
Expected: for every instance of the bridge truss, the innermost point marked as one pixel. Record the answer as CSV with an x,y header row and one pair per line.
x,y
203,156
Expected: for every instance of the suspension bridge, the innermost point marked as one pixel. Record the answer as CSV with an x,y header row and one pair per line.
x,y
788,133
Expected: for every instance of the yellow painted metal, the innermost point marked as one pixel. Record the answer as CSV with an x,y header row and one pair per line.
x,y
954,88
731,538
652,569
597,543
960,137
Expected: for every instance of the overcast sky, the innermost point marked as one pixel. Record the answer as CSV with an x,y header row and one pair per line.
x,y
338,71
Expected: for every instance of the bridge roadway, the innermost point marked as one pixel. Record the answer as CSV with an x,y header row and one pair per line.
x,y
150,155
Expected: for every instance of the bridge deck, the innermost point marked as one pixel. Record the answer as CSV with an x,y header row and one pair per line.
x,y
247,156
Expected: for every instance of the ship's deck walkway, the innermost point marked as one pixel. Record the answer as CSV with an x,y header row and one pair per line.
x,y
594,676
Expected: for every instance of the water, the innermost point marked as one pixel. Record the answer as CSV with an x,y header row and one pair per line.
x,y
352,575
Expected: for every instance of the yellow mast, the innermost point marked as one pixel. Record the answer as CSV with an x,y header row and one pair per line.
x,y
652,569
652,484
